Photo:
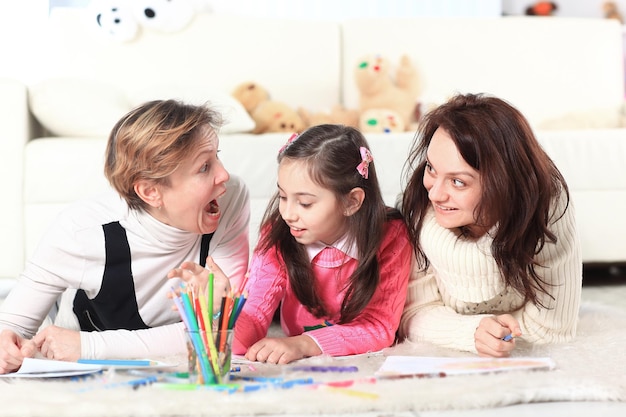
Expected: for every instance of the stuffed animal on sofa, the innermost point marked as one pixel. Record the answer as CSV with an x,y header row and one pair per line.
x,y
122,21
378,90
611,11
115,23
164,15
381,121
268,115
541,8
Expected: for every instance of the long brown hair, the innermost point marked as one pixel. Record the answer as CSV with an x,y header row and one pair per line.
x,y
519,183
331,154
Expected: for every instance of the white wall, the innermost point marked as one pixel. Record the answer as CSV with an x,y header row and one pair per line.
x,y
21,22
341,9
20,29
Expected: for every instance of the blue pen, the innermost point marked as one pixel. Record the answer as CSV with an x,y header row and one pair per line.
x,y
508,337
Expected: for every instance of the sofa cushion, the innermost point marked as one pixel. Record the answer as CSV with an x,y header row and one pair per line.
x,y
601,118
74,107
236,118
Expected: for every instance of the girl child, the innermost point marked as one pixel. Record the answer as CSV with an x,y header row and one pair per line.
x,y
489,214
331,256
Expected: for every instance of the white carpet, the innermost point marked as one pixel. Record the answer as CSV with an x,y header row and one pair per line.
x,y
592,368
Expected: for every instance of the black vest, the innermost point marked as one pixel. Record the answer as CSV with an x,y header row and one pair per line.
x,y
115,306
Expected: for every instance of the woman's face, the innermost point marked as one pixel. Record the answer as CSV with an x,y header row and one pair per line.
x,y
453,186
189,202
312,213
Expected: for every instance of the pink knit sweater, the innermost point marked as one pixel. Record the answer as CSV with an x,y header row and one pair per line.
x,y
373,329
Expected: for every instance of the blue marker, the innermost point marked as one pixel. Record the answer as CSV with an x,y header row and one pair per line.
x,y
508,337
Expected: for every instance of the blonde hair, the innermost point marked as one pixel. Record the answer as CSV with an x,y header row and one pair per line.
x,y
151,141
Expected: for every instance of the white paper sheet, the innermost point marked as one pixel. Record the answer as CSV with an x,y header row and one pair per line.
x,y
424,366
46,368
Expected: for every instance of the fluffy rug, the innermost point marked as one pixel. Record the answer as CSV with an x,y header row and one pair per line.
x,y
588,369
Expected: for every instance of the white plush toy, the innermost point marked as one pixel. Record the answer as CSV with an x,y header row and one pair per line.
x,y
115,19
122,20
163,15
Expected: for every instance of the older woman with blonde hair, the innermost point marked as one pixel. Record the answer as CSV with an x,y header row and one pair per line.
x,y
110,257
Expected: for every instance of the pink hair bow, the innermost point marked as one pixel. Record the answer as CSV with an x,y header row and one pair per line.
x,y
291,139
366,158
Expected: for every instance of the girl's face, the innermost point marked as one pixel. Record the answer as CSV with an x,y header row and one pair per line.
x,y
453,186
312,213
189,202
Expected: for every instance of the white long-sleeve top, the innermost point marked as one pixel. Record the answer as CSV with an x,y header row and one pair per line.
x,y
71,256
463,284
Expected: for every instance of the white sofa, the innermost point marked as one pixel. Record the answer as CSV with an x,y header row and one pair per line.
x,y
558,71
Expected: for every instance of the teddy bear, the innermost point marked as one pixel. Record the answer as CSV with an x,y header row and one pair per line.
x,y
378,90
268,115
611,11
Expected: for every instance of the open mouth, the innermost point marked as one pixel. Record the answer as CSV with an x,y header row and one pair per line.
x,y
213,207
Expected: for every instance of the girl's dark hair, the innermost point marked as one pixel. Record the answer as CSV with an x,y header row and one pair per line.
x,y
519,183
331,154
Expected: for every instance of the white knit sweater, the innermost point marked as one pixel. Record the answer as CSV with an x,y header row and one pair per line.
x,y
463,284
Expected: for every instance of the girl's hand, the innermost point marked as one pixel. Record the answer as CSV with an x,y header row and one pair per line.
x,y
490,333
13,350
283,350
197,276
58,343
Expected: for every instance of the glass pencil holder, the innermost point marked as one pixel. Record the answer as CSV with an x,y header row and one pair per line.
x,y
209,355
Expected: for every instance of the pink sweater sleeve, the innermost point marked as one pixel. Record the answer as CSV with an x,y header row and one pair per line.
x,y
375,327
256,317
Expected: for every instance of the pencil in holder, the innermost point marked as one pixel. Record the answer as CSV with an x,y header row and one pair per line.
x,y
209,356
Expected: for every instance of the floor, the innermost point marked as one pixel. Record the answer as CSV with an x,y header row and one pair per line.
x,y
600,284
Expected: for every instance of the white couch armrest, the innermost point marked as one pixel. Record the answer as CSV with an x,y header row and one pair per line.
x,y
17,128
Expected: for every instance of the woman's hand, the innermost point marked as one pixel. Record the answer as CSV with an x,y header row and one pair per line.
x,y
13,350
490,333
198,277
58,343
283,350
